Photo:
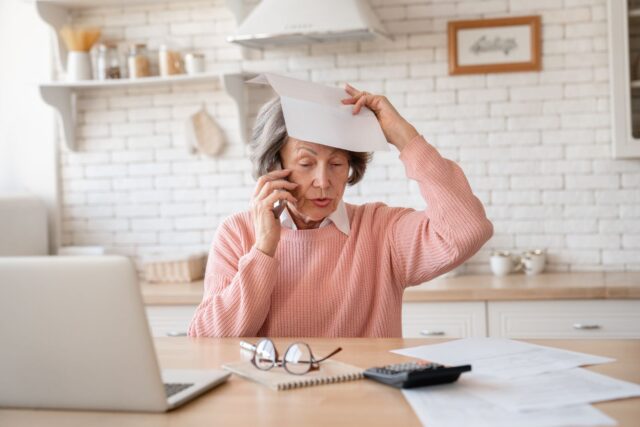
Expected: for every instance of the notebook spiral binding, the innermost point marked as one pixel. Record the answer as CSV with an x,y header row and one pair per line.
x,y
305,382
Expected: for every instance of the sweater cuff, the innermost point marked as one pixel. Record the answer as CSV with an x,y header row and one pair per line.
x,y
258,268
421,158
262,260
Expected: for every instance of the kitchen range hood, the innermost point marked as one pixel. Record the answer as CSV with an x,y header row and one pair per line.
x,y
288,22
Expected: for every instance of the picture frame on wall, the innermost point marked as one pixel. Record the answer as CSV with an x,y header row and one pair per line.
x,y
494,45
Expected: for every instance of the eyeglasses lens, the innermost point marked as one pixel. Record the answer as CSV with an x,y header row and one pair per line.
x,y
297,359
265,356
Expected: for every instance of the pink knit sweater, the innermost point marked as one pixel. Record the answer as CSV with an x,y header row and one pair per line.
x,y
322,282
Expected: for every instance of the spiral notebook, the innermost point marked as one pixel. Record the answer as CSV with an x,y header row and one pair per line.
x,y
331,371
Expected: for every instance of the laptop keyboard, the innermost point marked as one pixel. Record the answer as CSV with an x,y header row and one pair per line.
x,y
172,388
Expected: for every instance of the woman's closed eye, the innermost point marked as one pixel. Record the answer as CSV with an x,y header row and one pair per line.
x,y
308,165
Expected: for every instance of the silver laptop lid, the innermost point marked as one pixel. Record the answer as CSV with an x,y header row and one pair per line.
x,y
74,335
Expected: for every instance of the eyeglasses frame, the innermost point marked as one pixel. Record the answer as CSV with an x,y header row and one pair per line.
x,y
314,364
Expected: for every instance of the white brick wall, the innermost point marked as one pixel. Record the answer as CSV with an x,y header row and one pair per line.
x,y
535,145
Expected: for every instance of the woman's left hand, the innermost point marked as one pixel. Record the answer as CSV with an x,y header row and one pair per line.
x,y
396,129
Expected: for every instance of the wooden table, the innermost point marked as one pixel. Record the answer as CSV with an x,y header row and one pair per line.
x,y
357,403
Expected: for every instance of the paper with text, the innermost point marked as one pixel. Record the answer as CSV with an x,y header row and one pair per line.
x,y
550,390
451,405
502,358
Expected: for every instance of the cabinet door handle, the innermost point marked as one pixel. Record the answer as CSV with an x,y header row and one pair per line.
x,y
176,334
428,333
585,326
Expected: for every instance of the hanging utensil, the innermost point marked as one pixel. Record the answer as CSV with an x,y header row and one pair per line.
x,y
203,134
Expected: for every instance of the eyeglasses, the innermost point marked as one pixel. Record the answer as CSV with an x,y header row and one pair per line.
x,y
298,359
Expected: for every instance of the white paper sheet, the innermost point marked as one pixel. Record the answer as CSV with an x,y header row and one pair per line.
x,y
451,406
313,112
549,390
502,358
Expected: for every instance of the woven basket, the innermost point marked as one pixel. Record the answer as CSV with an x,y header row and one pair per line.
x,y
186,269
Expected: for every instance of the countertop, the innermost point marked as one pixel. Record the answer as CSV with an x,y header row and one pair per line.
x,y
477,287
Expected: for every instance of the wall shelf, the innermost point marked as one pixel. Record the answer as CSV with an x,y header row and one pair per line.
x,y
144,81
57,13
62,96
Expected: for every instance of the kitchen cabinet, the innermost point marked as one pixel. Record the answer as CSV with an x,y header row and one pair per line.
x,y
444,319
588,319
419,320
62,95
545,319
624,51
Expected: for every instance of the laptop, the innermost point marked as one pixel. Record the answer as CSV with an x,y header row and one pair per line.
x,y
74,335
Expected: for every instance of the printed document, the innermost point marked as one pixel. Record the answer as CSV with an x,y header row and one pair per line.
x,y
549,390
450,405
502,358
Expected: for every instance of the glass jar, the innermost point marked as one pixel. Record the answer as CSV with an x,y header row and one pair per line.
x,y
194,63
107,62
169,61
138,61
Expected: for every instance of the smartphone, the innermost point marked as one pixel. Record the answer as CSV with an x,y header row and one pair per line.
x,y
281,204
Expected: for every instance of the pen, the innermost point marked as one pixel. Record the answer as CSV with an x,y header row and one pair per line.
x,y
247,346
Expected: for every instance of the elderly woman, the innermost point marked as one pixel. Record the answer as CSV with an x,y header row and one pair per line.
x,y
325,267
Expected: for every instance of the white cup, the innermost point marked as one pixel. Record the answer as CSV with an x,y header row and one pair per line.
x,y
503,263
533,262
78,66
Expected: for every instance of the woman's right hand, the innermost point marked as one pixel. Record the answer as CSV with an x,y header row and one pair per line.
x,y
270,188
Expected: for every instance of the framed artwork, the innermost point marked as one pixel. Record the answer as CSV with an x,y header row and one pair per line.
x,y
494,45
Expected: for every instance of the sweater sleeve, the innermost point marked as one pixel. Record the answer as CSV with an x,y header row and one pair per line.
x,y
453,227
237,288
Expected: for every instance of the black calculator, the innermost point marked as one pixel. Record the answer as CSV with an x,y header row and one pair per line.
x,y
415,374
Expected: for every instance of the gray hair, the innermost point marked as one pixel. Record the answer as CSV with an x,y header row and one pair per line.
x,y
270,135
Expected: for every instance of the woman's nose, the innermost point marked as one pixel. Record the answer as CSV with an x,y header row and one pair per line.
x,y
322,178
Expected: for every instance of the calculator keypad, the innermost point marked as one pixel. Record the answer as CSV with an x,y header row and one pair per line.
x,y
415,374
410,367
